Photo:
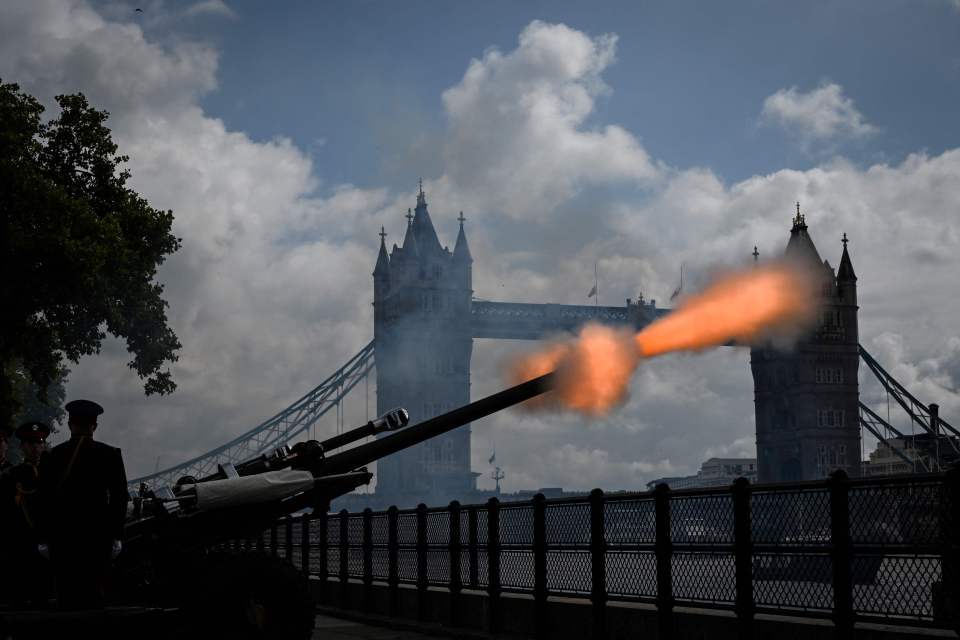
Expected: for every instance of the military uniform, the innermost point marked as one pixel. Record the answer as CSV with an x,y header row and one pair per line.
x,y
25,562
83,488
6,514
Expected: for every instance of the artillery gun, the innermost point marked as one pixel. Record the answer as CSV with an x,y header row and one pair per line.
x,y
170,560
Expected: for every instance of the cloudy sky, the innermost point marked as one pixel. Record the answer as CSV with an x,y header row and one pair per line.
x,y
638,135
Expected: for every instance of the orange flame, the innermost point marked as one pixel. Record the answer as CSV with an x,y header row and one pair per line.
x,y
593,370
743,306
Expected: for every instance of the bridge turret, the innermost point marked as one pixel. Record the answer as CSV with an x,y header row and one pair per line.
x,y
423,346
462,260
381,276
409,246
461,251
846,278
806,397
381,272
427,241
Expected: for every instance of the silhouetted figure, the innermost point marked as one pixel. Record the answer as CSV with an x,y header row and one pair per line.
x,y
6,512
84,495
29,570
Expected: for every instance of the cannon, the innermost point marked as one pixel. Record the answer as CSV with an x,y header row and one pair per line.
x,y
171,558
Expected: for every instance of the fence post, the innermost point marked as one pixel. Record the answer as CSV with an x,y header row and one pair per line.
x,y
393,554
841,554
663,548
274,550
421,561
473,547
540,620
305,544
344,557
743,557
288,539
455,581
324,553
946,595
367,559
598,564
493,565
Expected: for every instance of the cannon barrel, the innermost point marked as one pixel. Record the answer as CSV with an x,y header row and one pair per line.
x,y
372,451
390,421
308,454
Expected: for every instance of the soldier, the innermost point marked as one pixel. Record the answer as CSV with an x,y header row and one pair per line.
x,y
6,512
25,561
4,447
83,489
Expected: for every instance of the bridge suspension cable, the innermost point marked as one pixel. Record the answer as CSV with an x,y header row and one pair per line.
x,y
273,432
918,412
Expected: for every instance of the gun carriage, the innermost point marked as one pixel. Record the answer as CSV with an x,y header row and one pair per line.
x,y
170,558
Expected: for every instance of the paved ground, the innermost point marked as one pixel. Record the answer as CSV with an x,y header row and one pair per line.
x,y
330,628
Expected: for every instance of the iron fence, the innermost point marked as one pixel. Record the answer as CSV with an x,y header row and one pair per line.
x,y
874,550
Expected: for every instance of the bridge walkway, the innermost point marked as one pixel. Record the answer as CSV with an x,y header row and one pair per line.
x,y
347,625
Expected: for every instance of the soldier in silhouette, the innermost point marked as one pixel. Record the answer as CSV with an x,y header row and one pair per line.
x,y
4,448
83,489
26,564
6,512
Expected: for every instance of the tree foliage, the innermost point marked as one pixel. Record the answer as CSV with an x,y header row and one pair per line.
x,y
79,250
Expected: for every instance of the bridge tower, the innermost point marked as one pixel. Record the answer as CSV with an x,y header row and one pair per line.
x,y
423,344
806,398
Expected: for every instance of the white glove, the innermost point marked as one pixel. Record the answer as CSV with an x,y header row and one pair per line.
x,y
115,550
44,551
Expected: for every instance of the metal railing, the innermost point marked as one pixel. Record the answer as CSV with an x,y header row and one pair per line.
x,y
872,549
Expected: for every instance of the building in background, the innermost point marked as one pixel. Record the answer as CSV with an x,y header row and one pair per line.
x,y
715,472
423,345
806,398
924,452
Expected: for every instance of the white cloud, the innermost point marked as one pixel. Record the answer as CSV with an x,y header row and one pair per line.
x,y
517,123
210,7
52,46
263,300
824,114
933,379
745,447
271,290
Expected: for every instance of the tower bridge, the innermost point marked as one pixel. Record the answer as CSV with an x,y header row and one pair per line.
x,y
425,321
524,321
808,412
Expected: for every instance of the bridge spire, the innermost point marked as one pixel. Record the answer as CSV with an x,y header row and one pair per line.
x,y
800,245
461,251
383,260
409,238
422,225
845,271
799,222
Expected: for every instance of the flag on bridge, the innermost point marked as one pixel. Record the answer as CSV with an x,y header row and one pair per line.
x,y
677,291
596,283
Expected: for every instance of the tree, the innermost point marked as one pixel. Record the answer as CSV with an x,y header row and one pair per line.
x,y
79,250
